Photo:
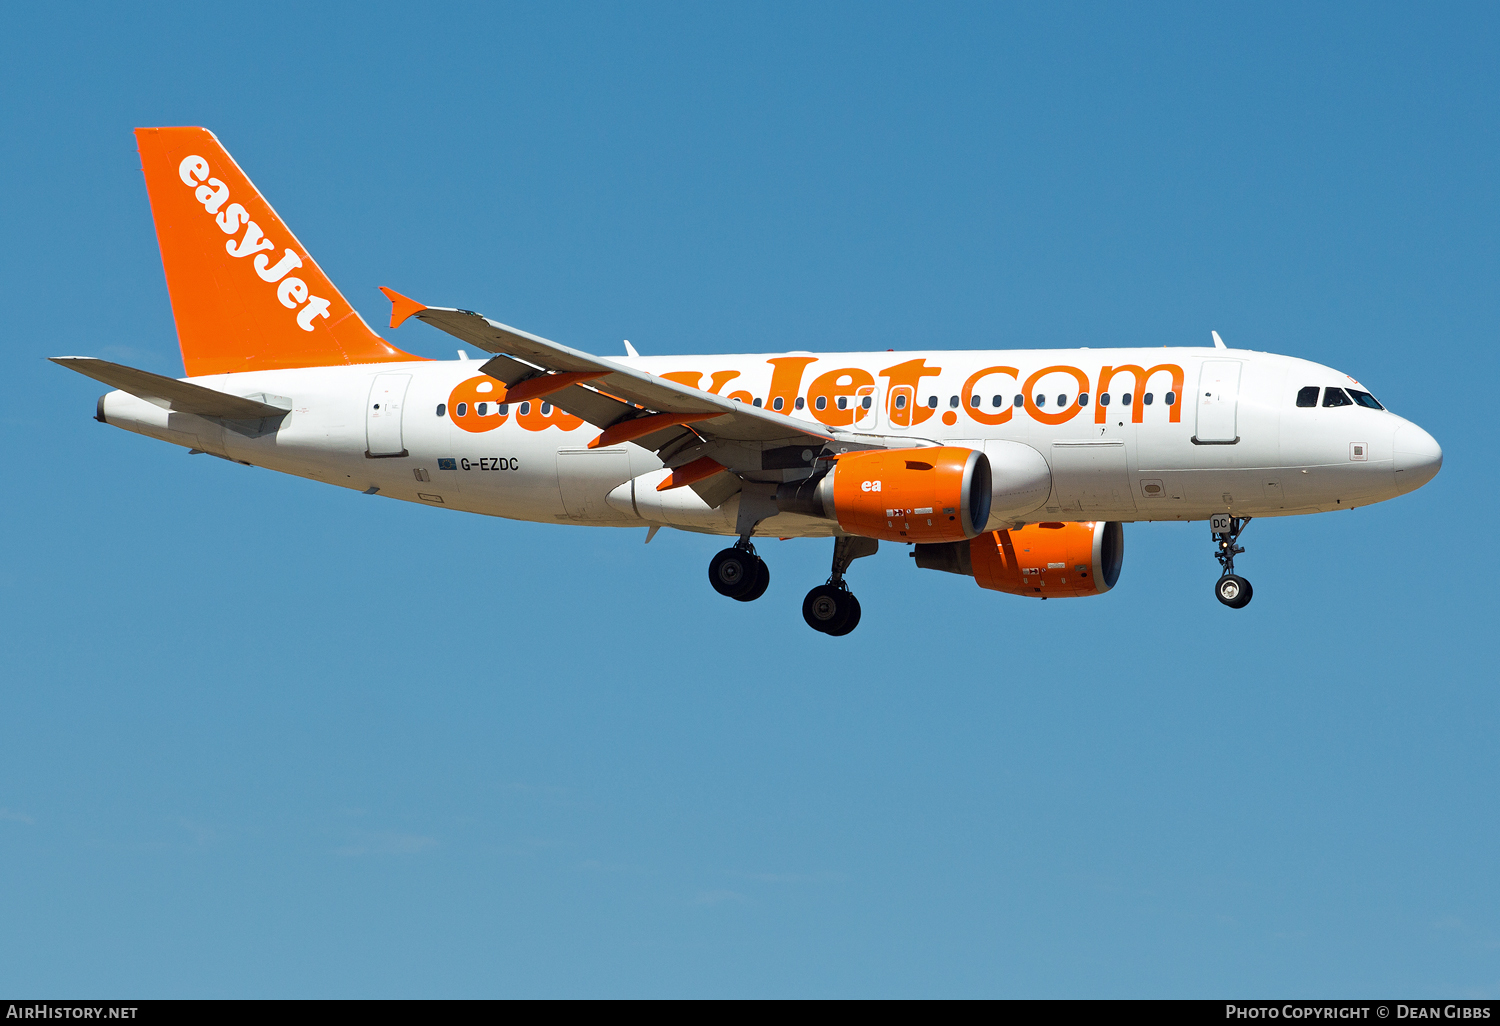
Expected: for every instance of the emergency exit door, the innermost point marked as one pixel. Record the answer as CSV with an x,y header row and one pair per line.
x,y
383,415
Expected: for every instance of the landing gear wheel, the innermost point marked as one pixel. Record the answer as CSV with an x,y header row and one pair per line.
x,y
851,621
1233,591
831,610
762,582
739,574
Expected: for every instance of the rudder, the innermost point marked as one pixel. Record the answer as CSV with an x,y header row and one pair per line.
x,y
245,293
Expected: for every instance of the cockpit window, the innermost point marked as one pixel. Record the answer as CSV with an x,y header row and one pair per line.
x,y
1336,397
1365,399
1307,396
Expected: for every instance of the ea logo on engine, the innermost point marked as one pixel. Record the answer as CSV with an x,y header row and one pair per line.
x,y
869,486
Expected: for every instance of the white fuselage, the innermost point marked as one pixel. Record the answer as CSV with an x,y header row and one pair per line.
x,y
1233,440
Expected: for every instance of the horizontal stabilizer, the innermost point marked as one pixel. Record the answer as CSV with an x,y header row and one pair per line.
x,y
172,394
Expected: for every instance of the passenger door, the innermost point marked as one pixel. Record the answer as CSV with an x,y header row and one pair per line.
x,y
1218,402
383,415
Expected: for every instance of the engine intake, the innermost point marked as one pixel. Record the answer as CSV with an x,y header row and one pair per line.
x,y
930,495
1052,560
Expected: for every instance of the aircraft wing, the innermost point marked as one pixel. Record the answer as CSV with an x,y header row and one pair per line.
x,y
683,425
172,394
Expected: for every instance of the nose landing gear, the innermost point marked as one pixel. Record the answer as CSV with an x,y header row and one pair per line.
x,y
832,608
1232,590
738,573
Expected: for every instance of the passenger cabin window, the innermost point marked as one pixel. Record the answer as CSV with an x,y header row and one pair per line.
x,y
1103,398
442,409
755,403
900,402
546,408
483,409
866,402
1171,398
821,402
953,402
932,402
1336,397
998,401
463,409
1307,396
801,402
503,409
778,403
1083,399
1148,398
1062,402
1019,402
1041,400
1365,399
525,410
843,402
1125,399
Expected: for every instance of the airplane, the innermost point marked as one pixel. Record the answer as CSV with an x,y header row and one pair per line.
x,y
1016,468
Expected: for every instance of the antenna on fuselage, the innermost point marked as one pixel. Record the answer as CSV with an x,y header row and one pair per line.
x,y
1218,342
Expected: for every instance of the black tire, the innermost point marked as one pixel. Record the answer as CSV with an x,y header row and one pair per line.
x,y
760,583
1235,592
827,608
851,620
733,572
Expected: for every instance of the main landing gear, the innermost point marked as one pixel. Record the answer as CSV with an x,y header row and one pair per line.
x,y
1232,590
738,573
832,608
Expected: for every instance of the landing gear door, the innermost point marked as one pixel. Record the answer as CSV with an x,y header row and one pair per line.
x,y
383,415
1218,402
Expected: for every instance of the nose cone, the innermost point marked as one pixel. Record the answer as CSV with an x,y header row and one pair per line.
x,y
1418,458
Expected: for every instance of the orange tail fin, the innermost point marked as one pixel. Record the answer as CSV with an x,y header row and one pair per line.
x,y
246,294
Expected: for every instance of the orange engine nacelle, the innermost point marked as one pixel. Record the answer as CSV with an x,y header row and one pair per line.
x,y
903,495
1040,560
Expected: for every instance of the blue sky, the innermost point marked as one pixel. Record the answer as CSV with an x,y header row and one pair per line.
x,y
263,737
